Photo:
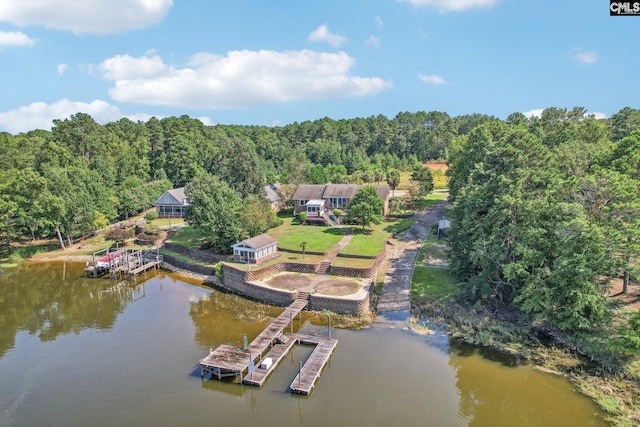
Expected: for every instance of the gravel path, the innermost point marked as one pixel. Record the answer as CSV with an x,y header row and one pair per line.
x,y
397,282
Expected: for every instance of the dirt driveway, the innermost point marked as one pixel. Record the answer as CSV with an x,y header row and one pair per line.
x,y
401,262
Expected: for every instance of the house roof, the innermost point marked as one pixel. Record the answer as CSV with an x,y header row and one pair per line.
x,y
327,191
346,191
308,192
175,197
272,195
257,242
383,191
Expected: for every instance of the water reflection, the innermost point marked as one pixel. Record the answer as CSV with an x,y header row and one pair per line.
x,y
38,298
132,359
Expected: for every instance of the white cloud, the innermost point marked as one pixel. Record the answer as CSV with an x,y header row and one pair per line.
x,y
444,6
536,112
125,67
322,34
206,121
432,79
39,115
15,38
239,79
62,68
379,22
583,56
372,41
86,16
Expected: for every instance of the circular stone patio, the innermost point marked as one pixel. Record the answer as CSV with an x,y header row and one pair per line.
x,y
322,284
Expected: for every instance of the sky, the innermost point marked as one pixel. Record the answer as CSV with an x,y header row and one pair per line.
x,y
271,63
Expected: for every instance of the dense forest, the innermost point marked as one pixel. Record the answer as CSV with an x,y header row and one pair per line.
x,y
82,175
544,209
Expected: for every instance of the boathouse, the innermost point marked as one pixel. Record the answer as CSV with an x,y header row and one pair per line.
x,y
255,250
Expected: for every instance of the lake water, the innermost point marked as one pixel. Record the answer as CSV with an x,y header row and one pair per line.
x,y
77,352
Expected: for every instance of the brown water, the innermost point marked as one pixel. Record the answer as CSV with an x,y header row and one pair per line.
x,y
77,352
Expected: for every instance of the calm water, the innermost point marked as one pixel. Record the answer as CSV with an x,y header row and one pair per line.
x,y
77,352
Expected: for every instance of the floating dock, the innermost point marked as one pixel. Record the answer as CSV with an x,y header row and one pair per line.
x,y
253,365
306,379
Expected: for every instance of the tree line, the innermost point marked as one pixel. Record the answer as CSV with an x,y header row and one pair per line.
x,y
80,176
546,211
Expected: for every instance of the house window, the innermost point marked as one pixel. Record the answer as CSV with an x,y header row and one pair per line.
x,y
337,202
302,202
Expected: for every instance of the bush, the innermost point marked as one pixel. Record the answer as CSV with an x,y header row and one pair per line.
x,y
151,215
152,229
338,212
302,216
119,234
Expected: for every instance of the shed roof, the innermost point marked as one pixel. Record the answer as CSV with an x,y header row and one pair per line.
x,y
257,242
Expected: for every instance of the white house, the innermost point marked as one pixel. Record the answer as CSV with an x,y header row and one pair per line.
x,y
255,250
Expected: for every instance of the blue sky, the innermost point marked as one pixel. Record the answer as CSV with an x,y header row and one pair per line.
x,y
275,62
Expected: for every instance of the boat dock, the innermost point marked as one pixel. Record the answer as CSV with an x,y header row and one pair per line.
x,y
253,364
309,373
122,263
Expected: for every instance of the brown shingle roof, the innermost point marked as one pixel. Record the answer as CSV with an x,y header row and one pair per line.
x,y
308,192
260,241
340,190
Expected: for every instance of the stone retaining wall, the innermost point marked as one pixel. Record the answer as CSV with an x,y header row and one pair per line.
x,y
241,282
342,305
190,266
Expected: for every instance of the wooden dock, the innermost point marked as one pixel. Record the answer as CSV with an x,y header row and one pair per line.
x,y
306,379
273,344
227,361
122,263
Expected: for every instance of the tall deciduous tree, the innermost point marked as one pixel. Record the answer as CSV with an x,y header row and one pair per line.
x,y
216,209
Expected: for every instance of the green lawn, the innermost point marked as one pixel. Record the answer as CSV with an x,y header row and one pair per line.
x,y
371,240
319,239
433,282
188,236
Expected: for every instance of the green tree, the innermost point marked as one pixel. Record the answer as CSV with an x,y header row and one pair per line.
x,y
424,177
216,210
366,207
393,180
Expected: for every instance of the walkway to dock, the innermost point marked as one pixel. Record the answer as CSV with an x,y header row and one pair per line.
x,y
253,365
227,360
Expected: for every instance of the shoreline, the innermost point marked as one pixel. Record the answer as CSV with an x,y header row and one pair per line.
x,y
508,331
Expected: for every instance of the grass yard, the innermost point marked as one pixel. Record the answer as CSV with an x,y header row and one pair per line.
x,y
434,283
167,222
188,236
370,242
318,238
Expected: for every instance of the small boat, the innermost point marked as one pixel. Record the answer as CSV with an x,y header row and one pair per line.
x,y
108,259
